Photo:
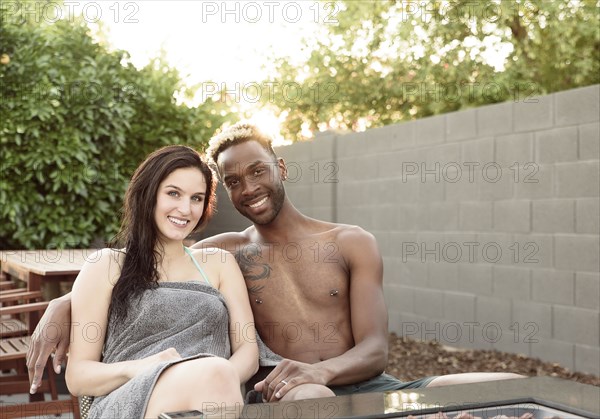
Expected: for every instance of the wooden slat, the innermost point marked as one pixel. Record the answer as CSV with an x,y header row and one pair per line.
x,y
24,308
12,327
21,296
14,348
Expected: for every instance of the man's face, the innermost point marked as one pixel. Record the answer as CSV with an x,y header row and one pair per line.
x,y
253,180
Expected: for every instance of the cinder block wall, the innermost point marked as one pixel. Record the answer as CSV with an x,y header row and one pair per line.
x,y
488,221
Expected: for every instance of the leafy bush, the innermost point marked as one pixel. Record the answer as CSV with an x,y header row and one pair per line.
x,y
76,121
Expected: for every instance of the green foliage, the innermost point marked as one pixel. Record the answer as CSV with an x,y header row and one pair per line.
x,y
389,61
76,121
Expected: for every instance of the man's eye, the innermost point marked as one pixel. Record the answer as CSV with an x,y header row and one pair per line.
x,y
259,172
232,183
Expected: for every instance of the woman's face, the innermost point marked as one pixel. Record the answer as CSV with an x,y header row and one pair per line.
x,y
180,203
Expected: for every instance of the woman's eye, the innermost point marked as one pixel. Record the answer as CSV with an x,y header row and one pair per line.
x,y
173,193
197,198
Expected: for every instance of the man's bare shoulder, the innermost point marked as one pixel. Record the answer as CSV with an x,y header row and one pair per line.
x,y
351,234
229,241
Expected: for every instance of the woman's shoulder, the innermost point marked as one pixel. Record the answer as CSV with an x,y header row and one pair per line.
x,y
106,262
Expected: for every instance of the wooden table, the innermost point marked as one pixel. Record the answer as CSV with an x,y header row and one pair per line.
x,y
37,266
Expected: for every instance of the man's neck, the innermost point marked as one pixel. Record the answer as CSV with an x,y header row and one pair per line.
x,y
285,226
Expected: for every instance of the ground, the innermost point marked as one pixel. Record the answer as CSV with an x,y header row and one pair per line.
x,y
410,360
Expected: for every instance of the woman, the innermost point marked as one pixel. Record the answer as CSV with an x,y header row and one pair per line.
x,y
154,324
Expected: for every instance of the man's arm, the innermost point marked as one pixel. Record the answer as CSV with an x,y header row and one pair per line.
x,y
368,357
52,332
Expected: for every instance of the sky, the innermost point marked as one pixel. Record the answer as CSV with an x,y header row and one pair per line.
x,y
212,43
222,42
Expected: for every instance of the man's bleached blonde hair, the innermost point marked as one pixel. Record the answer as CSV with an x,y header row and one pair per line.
x,y
238,133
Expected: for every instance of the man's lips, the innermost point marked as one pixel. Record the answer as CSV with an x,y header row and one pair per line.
x,y
257,203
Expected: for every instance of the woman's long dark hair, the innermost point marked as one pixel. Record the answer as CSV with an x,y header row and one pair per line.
x,y
139,233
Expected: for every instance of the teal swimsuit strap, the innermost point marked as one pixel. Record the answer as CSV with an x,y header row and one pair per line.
x,y
197,265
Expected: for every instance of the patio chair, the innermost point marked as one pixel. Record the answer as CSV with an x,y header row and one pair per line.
x,y
13,352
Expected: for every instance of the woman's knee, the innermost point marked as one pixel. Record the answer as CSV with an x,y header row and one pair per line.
x,y
308,391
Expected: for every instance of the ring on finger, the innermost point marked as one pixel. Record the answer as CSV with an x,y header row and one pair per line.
x,y
284,382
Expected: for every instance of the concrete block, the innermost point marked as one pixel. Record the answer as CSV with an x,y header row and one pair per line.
x,y
532,251
589,142
512,216
534,181
385,217
534,113
577,325
587,290
442,276
437,158
514,148
461,125
577,252
399,298
495,119
552,286
511,282
587,215
556,145
322,194
578,106
430,130
323,147
578,180
459,307
587,359
475,278
413,273
347,169
475,216
495,248
461,183
444,216
406,217
554,216
493,310
404,135
505,340
494,182
556,351
534,320
349,146
379,139
478,151
429,303
431,190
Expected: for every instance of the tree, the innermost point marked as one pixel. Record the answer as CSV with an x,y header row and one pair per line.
x,y
76,120
388,61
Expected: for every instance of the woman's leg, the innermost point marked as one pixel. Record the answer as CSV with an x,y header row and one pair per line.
x,y
197,384
471,377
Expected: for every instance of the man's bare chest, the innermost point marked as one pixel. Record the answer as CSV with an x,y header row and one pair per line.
x,y
311,272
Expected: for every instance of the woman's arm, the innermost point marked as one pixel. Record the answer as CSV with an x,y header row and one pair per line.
x,y
241,322
90,300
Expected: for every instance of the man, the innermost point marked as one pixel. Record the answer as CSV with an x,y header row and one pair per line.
x,y
315,287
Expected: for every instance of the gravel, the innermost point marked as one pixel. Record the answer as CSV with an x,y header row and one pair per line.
x,y
411,359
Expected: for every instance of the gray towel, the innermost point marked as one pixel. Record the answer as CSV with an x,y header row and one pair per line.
x,y
188,316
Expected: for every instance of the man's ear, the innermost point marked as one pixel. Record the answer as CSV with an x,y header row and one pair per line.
x,y
282,168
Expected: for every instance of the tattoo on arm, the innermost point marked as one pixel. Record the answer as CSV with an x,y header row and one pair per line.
x,y
251,269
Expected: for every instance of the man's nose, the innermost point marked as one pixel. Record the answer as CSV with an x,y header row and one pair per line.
x,y
249,187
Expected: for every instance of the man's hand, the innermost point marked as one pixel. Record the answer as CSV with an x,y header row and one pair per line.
x,y
53,332
287,375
